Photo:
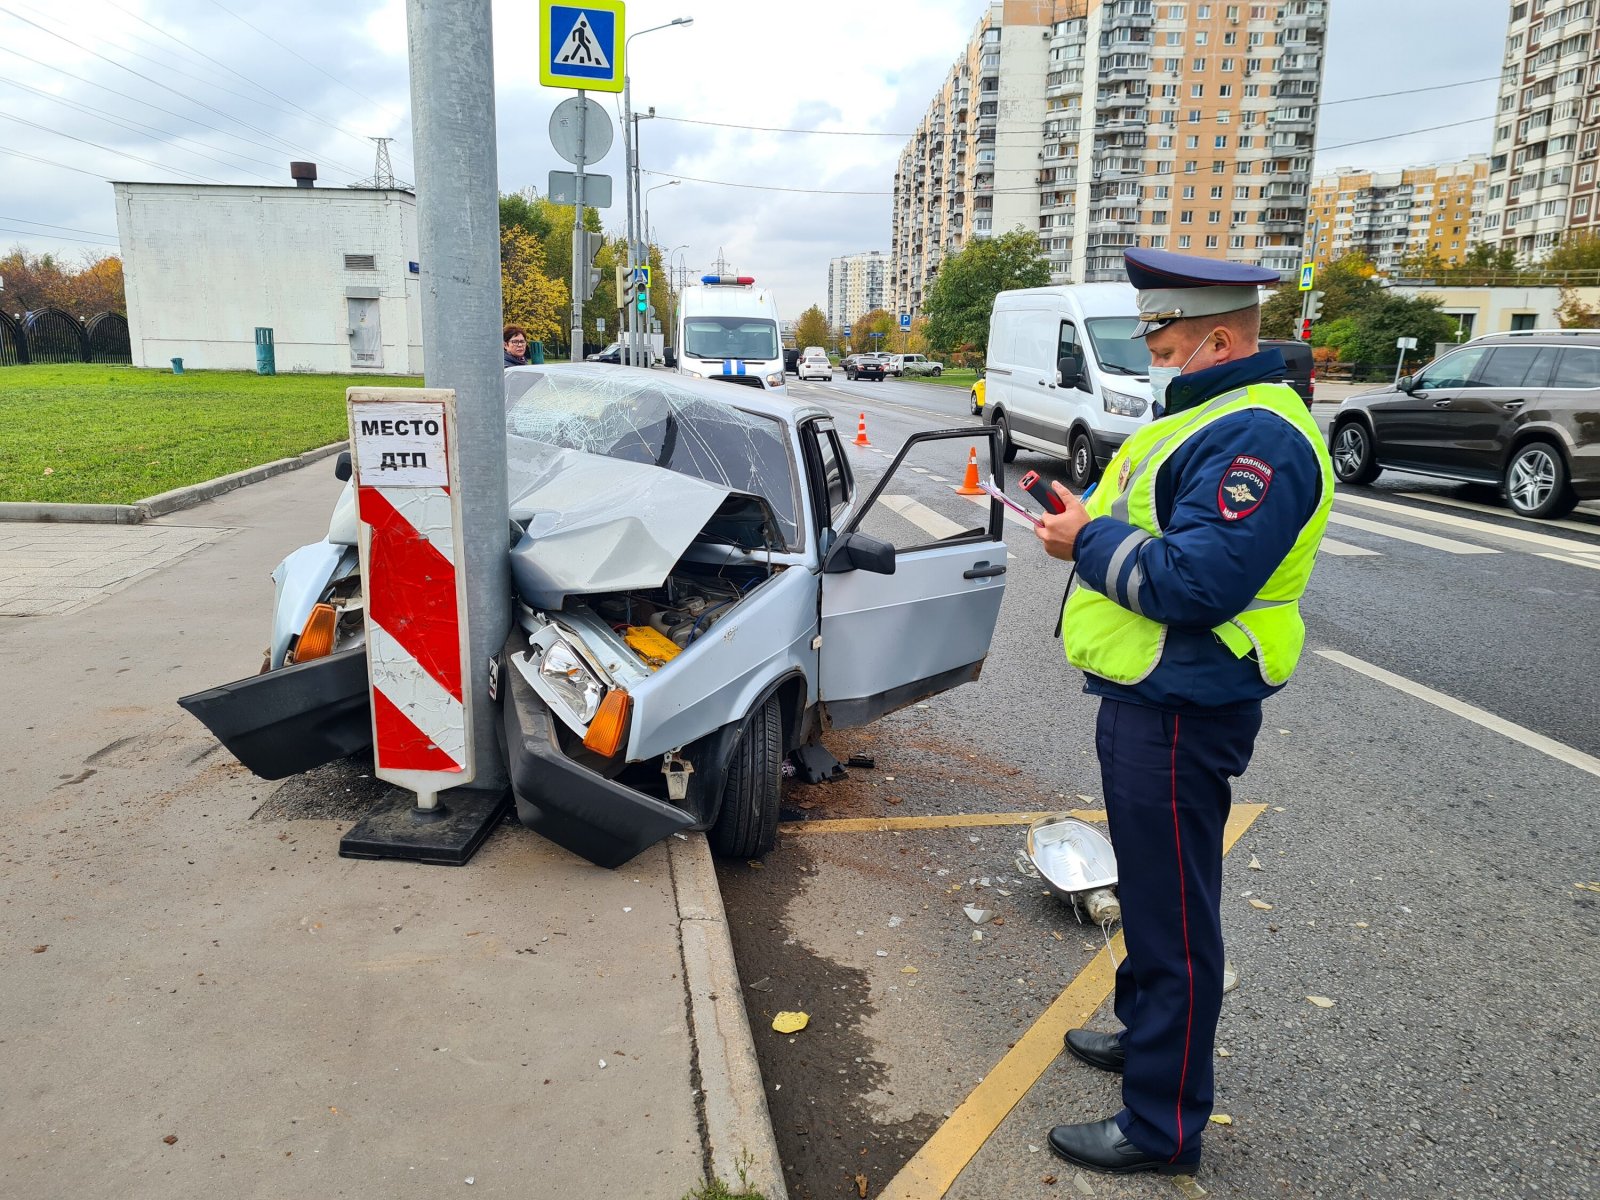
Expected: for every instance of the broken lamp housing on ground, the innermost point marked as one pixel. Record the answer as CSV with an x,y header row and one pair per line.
x,y
1077,862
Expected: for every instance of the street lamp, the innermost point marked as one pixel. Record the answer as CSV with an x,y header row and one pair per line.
x,y
630,139
647,191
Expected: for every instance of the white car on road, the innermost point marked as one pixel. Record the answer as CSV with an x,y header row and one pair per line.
x,y
815,365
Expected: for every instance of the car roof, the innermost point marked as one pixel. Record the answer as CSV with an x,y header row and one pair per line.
x,y
757,401
1538,337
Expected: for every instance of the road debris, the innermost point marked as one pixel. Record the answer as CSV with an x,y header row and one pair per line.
x,y
764,984
863,762
1587,887
979,916
861,1186
171,1139
41,949
908,970
1261,904
1321,1001
1255,863
1221,1119
790,1022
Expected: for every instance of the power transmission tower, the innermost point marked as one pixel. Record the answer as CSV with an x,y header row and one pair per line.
x,y
382,170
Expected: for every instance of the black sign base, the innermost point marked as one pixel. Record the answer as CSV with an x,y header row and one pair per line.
x,y
447,835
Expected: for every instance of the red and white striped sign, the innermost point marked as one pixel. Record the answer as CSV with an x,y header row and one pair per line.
x,y
402,446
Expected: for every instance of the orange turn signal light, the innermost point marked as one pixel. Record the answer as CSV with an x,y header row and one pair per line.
x,y
609,729
316,639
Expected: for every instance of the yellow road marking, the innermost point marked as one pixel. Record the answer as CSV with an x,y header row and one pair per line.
x,y
934,1168
958,821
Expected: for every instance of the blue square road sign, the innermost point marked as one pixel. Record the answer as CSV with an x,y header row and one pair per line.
x,y
581,44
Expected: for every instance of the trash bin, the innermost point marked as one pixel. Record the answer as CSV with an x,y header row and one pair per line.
x,y
266,352
177,366
536,352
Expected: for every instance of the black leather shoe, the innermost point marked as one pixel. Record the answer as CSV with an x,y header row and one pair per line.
x,y
1101,1050
1101,1146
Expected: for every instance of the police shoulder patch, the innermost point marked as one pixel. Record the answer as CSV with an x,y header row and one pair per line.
x,y
1244,486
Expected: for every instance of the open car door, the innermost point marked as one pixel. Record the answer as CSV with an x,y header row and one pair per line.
x,y
912,582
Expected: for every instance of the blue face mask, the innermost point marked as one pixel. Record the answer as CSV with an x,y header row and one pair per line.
x,y
1161,378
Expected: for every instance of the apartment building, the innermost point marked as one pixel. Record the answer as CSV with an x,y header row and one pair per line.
x,y
1390,215
1183,126
857,284
971,167
1547,135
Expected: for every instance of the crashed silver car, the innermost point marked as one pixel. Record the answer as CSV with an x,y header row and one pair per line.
x,y
696,598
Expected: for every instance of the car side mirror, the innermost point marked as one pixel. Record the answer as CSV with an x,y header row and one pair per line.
x,y
342,468
859,552
1405,383
1069,371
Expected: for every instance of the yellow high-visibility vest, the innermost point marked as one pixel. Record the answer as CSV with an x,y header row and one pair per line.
x,y
1116,643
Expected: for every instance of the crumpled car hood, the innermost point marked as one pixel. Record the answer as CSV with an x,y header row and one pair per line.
x,y
595,524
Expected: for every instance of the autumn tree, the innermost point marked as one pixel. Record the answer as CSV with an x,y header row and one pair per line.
x,y
961,297
811,329
528,296
34,281
864,326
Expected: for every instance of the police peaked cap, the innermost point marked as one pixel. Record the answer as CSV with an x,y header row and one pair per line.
x,y
1175,287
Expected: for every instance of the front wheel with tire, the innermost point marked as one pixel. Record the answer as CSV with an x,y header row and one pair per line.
x,y
747,823
1353,457
937,371
1083,469
1008,448
1536,482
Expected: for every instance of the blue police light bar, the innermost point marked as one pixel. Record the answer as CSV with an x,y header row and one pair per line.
x,y
729,280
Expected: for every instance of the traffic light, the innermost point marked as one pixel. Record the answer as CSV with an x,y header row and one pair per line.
x,y
1313,308
591,277
1305,330
643,301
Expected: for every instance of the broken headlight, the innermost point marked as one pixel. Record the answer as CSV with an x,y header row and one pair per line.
x,y
572,679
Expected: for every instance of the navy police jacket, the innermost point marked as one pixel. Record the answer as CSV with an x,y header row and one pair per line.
x,y
1207,566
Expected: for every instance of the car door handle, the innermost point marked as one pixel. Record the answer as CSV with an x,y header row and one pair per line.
x,y
985,571
1512,403
1441,404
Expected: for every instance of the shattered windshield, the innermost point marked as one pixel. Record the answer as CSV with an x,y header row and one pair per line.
x,y
730,337
660,423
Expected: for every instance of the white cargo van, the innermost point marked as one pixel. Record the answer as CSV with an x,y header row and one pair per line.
x,y
728,330
1065,376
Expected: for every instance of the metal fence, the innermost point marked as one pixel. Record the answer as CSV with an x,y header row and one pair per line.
x,y
50,335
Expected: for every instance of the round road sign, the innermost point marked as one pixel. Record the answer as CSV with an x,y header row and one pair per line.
x,y
580,120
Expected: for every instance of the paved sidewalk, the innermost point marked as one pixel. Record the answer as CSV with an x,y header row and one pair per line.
x,y
48,569
203,999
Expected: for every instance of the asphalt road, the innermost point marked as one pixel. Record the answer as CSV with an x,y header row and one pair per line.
x,y
1427,784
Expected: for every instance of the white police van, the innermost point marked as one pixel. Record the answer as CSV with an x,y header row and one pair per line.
x,y
728,330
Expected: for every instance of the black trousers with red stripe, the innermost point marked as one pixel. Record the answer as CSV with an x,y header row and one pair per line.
x,y
1168,787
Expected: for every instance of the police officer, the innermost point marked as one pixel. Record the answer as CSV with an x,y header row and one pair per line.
x,y
1190,560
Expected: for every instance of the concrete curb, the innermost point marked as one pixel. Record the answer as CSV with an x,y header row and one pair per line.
x,y
738,1127
166,502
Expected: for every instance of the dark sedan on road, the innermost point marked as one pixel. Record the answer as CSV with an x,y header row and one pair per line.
x,y
1519,410
864,366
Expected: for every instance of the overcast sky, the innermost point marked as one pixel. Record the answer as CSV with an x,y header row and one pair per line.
x,y
336,74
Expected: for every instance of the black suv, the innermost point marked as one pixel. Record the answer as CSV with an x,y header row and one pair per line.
x,y
1300,372
1520,410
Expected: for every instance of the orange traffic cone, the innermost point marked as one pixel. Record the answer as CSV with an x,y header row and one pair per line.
x,y
861,431
969,485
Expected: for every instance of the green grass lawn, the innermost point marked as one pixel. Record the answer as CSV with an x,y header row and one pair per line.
x,y
95,434
961,377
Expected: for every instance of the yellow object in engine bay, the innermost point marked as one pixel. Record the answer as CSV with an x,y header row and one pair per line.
x,y
656,648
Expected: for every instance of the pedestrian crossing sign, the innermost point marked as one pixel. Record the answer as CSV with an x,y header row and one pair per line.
x,y
582,44
1308,274
641,276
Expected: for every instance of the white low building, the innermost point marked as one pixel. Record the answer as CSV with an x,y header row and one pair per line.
x,y
333,272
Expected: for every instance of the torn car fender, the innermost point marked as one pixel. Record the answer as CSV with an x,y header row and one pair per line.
x,y
302,580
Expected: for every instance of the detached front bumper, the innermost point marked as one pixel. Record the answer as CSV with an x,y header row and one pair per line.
x,y
580,810
292,719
